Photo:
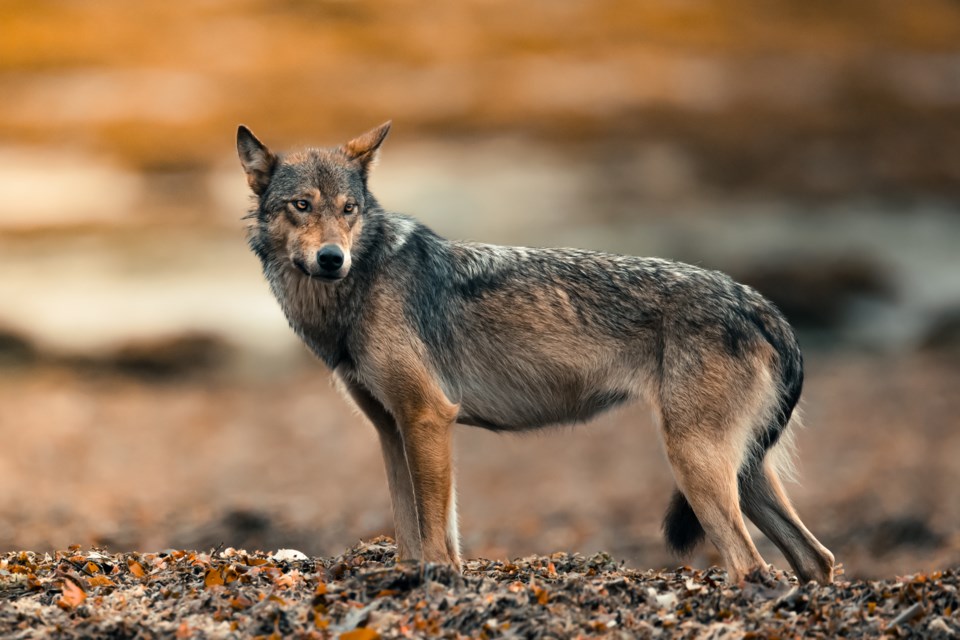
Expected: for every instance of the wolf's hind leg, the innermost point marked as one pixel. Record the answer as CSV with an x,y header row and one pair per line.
x,y
706,472
766,504
709,402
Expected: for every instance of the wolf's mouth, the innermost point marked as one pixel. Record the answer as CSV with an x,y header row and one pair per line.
x,y
326,278
303,269
316,276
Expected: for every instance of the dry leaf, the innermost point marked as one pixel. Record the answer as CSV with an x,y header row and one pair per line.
x,y
101,581
136,568
73,596
542,596
363,633
288,580
213,578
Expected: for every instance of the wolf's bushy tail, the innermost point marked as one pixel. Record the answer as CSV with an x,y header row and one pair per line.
x,y
681,527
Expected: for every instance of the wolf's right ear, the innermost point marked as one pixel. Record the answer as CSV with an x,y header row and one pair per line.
x,y
256,159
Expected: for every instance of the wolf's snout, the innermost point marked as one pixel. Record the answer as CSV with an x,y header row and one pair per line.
x,y
330,258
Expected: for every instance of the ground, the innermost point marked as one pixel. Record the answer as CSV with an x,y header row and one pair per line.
x,y
364,594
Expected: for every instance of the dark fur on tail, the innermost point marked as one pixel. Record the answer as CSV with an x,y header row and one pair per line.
x,y
681,528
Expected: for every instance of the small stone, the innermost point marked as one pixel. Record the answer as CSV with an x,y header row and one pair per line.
x,y
289,555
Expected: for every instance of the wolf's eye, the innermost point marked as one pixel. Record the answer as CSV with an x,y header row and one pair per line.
x,y
349,207
301,205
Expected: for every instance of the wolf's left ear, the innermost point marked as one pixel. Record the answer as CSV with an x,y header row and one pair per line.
x,y
363,149
256,159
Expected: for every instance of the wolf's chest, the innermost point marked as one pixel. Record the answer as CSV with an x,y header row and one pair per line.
x,y
312,314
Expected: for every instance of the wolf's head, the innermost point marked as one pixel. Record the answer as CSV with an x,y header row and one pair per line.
x,y
311,203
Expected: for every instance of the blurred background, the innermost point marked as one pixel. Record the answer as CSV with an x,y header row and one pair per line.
x,y
151,394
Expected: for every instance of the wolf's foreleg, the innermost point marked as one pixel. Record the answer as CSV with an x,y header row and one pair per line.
x,y
427,442
405,522
424,418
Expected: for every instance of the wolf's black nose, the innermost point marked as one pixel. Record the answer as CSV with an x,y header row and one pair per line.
x,y
330,258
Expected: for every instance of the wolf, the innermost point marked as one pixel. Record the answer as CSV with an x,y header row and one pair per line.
x,y
422,333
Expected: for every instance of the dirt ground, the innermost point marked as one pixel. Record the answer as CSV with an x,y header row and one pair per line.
x,y
139,465
363,594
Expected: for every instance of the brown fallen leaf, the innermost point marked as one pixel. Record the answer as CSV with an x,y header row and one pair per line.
x,y
213,578
230,575
287,580
541,594
73,596
136,568
101,581
363,633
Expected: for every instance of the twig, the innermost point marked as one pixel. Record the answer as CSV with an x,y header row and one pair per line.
x,y
906,616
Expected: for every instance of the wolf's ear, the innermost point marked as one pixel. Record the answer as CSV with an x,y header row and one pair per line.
x,y
256,159
363,149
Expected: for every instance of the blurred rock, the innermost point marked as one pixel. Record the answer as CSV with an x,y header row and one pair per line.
x,y
817,293
151,359
241,528
288,555
15,349
250,529
943,334
891,534
173,356
165,357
